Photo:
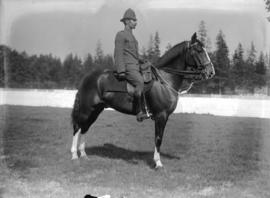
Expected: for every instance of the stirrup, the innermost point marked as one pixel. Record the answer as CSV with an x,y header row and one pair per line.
x,y
149,114
141,116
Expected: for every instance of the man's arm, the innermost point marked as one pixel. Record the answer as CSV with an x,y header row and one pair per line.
x,y
119,53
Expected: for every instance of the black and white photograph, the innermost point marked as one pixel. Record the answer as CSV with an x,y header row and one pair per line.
x,y
135,98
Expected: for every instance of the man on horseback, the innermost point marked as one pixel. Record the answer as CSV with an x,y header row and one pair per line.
x,y
126,59
100,89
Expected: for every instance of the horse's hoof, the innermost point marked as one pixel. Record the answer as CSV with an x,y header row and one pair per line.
x,y
85,157
142,116
74,157
158,167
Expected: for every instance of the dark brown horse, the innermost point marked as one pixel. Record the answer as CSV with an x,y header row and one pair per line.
x,y
188,59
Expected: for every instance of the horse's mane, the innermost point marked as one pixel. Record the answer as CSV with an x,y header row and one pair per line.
x,y
171,54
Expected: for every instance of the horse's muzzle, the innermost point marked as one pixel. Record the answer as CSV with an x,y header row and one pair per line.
x,y
209,71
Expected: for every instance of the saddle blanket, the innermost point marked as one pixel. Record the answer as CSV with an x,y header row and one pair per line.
x,y
112,84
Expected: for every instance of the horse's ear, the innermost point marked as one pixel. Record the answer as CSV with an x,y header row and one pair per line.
x,y
194,38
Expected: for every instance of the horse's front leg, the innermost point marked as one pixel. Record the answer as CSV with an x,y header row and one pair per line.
x,y
82,146
75,141
160,123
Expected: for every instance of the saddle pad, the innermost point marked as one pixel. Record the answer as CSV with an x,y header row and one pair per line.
x,y
112,84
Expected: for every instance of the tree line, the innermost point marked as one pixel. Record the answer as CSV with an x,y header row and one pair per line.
x,y
20,70
242,72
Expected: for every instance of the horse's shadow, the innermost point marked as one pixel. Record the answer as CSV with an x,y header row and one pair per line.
x,y
114,152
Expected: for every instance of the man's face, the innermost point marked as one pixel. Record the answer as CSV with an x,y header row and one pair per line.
x,y
132,24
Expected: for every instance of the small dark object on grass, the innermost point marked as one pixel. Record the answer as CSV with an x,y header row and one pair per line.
x,y
90,196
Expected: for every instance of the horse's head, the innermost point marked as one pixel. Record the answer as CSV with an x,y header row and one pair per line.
x,y
198,58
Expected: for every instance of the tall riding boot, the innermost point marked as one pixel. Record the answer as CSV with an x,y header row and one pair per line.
x,y
141,115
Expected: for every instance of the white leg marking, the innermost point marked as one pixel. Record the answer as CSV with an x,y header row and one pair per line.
x,y
74,147
82,146
157,159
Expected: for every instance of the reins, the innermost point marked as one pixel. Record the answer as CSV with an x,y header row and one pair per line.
x,y
193,75
164,81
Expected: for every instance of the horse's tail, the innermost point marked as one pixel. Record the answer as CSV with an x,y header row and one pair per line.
x,y
80,111
75,114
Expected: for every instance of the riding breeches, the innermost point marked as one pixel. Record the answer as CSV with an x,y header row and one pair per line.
x,y
135,78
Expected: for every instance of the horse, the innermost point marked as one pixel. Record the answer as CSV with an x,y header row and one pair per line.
x,y
186,60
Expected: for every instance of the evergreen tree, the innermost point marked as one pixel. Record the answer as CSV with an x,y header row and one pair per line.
x,y
260,72
88,63
42,71
261,65
72,69
237,70
107,62
156,47
251,54
249,70
18,69
55,72
33,64
99,53
4,54
202,33
203,37
2,70
267,61
150,50
267,65
222,63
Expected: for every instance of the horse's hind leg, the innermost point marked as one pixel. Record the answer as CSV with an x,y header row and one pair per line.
x,y
79,139
74,147
82,146
91,119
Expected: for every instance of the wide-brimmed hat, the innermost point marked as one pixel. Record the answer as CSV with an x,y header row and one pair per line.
x,y
129,14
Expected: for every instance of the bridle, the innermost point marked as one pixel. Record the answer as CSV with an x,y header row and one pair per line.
x,y
192,72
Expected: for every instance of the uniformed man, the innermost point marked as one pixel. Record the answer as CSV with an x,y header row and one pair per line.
x,y
126,59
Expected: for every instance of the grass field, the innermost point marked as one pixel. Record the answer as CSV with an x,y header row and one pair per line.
x,y
203,155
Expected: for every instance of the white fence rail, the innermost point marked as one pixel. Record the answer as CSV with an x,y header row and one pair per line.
x,y
249,106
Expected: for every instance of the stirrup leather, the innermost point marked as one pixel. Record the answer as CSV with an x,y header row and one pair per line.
x,y
145,108
142,116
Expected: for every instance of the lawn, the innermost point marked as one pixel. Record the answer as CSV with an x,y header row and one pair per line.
x,y
203,155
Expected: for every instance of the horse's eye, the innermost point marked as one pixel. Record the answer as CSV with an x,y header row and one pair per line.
x,y
199,50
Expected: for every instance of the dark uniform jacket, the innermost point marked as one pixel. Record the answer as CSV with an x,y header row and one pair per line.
x,y
125,61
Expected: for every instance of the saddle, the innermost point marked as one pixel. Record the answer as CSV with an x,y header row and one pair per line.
x,y
113,84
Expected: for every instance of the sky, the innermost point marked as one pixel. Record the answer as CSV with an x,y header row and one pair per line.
x,y
61,27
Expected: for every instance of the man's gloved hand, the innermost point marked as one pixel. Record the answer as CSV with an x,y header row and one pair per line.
x,y
121,76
